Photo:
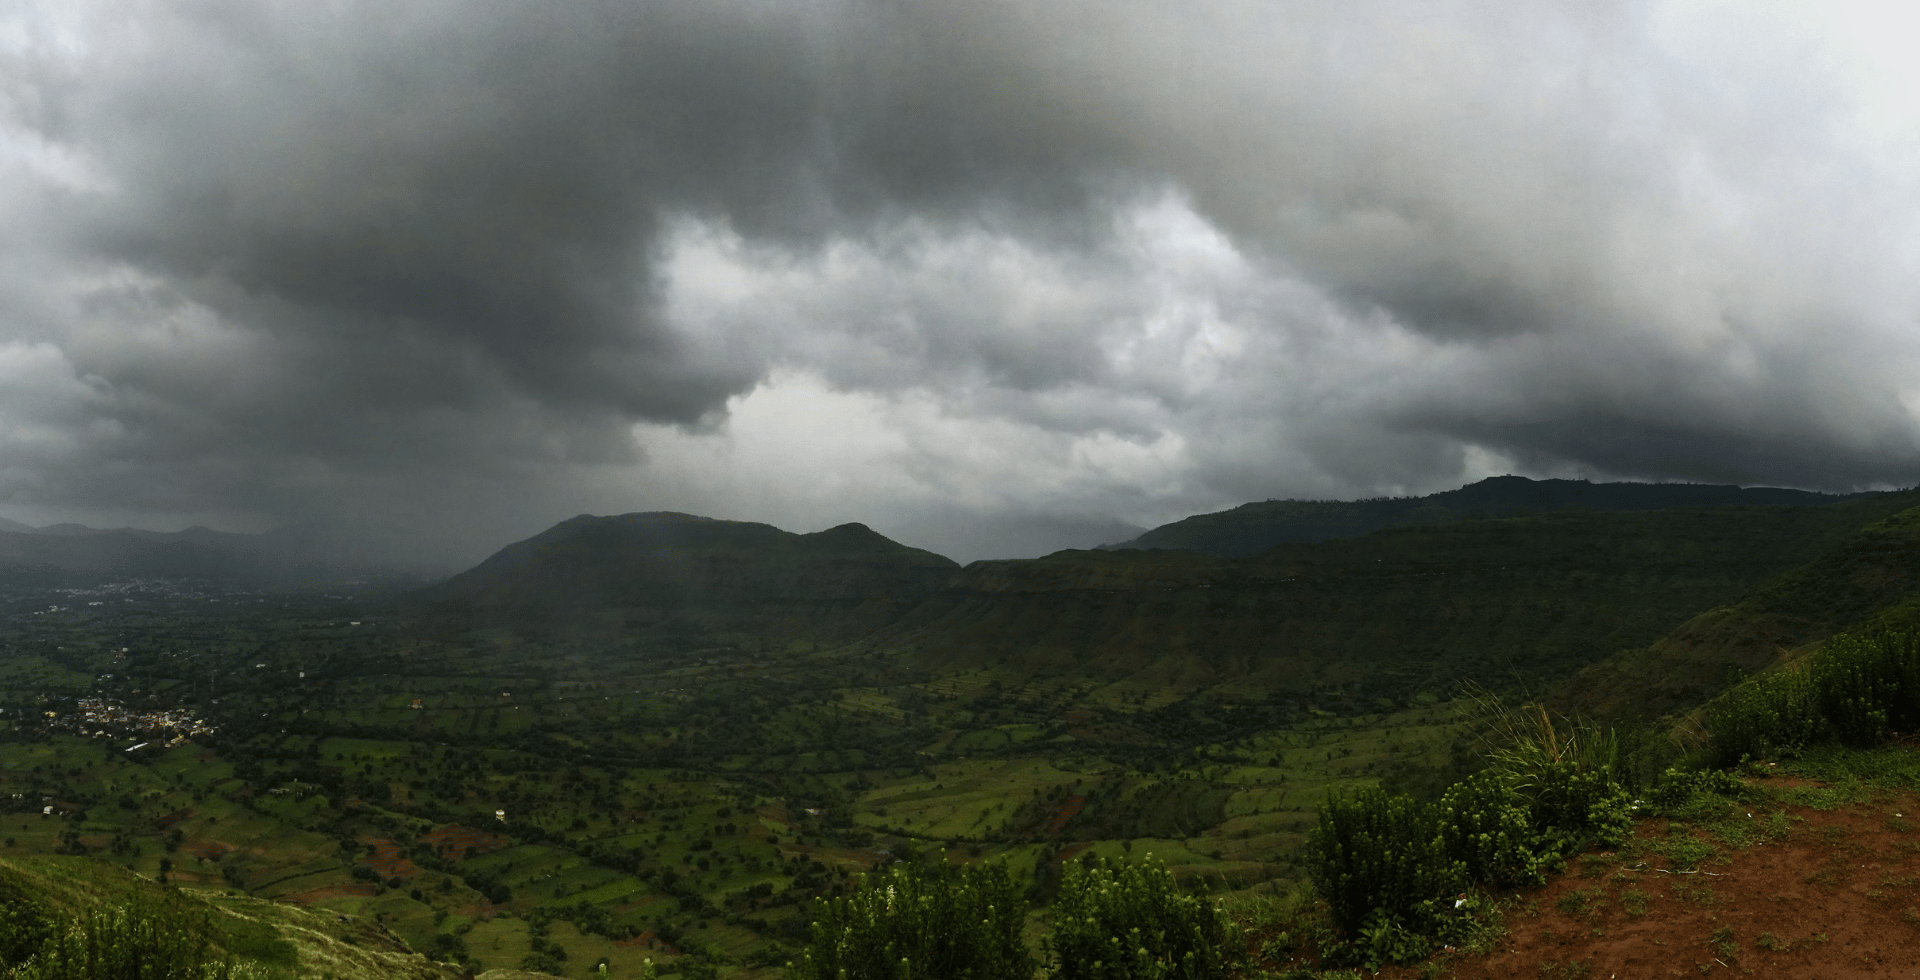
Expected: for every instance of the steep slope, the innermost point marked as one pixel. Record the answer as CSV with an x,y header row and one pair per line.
x,y
1872,574
679,573
1346,625
1252,528
281,940
1378,618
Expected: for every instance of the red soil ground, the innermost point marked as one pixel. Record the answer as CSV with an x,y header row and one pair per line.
x,y
452,840
1836,898
1069,808
312,895
388,859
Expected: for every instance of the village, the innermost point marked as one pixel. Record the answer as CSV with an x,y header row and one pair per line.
x,y
96,717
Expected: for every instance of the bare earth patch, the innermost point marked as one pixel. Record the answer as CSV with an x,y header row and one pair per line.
x,y
1836,896
453,839
315,895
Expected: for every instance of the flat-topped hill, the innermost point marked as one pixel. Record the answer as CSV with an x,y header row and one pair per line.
x,y
1252,528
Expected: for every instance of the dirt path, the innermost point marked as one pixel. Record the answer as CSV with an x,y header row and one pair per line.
x,y
1824,895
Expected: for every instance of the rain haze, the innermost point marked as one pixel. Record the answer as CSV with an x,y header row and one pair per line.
x,y
993,278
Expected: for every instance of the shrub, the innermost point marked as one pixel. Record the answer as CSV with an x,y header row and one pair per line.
x,y
1121,921
1487,828
1573,807
25,926
1679,789
1770,716
927,922
1868,685
1859,689
1394,871
1375,852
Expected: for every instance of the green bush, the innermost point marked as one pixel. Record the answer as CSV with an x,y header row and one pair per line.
x,y
1379,853
1858,689
25,926
1120,921
1678,790
1767,717
1488,829
1393,870
1869,685
920,921
1573,807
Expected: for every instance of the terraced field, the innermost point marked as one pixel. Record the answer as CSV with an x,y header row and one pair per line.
x,y
593,804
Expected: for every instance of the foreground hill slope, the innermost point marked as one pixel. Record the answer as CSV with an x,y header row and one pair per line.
x,y
280,939
1252,528
1803,879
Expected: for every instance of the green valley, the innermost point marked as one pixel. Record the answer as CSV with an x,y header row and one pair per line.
x,y
660,737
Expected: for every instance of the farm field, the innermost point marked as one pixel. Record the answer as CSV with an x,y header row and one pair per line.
x,y
596,805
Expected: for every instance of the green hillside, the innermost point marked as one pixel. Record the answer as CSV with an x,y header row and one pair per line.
x,y
42,896
1375,620
662,737
1872,575
1252,528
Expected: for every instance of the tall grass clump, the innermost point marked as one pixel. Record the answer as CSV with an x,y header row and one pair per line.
x,y
1122,921
1858,689
921,921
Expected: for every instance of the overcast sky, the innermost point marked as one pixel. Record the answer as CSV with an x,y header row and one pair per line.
x,y
991,276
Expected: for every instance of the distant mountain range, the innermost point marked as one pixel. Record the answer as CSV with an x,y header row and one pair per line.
x,y
1358,623
1252,528
697,563
295,557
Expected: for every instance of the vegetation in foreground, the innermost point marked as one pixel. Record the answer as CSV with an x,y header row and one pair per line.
x,y
1396,878
78,918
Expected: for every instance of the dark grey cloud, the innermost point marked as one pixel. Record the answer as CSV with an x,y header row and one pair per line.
x,y
490,264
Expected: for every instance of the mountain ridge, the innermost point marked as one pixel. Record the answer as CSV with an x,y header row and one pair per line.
x,y
1253,527
1383,617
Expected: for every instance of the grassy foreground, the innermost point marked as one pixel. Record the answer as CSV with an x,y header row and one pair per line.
x,y
76,917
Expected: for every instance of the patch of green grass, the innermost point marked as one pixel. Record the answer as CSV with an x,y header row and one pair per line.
x,y
1854,772
1635,902
1684,851
1582,903
1691,890
1568,970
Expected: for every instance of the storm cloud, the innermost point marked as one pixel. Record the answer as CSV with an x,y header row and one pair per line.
x,y
991,277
